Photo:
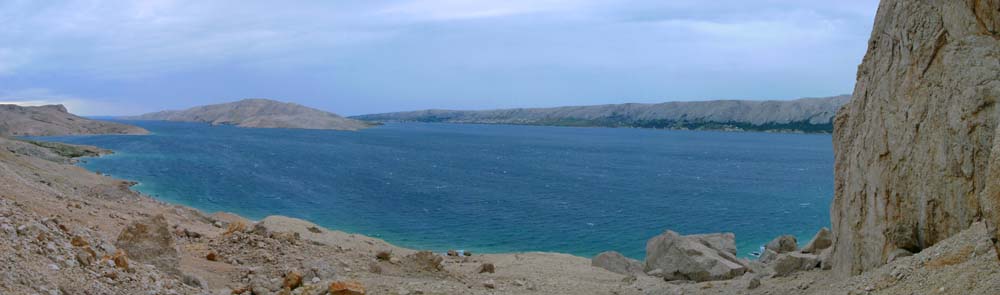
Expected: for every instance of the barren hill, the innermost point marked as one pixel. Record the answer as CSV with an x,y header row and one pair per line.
x,y
259,113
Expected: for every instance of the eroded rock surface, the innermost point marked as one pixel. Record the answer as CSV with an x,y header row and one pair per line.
x,y
915,146
675,257
150,242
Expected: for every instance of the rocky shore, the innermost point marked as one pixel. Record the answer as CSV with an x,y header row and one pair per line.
x,y
70,231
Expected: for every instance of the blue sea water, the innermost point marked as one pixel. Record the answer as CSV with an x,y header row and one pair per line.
x,y
490,188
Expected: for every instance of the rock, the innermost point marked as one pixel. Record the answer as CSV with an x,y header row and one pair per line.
x,y
347,288
452,253
768,256
674,257
782,244
825,259
487,268
725,242
490,284
914,148
194,281
383,255
753,283
120,260
293,280
149,241
617,263
320,270
211,256
426,260
897,254
467,253
822,240
789,263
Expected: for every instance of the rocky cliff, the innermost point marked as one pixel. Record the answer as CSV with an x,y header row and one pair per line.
x,y
54,120
802,115
915,158
259,113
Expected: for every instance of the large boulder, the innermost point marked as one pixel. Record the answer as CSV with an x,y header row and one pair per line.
x,y
675,257
617,263
914,149
822,240
783,244
149,241
725,242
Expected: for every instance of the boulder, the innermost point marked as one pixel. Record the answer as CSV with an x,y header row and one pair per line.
x,y
347,288
725,242
768,256
789,263
675,257
617,263
825,259
783,244
150,241
914,149
822,240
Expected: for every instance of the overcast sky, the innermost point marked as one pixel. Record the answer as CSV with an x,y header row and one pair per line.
x,y
365,56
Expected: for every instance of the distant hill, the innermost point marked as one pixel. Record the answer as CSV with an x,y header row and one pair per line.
x,y
259,113
51,120
813,115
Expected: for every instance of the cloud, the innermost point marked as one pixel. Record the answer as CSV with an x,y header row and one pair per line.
x,y
431,52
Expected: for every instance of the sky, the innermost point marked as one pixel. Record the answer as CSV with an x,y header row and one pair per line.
x,y
357,57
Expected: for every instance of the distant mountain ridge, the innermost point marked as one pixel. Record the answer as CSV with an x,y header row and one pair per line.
x,y
52,120
812,115
259,113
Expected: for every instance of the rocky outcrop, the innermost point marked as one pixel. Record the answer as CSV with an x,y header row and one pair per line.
x,y
259,113
150,242
52,120
789,263
675,257
916,149
801,115
617,263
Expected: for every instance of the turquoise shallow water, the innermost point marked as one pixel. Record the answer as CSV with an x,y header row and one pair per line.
x,y
490,188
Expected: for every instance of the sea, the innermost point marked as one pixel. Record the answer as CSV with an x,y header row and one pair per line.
x,y
490,188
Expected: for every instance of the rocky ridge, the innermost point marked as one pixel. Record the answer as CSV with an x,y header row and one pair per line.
x,y
259,113
801,115
54,120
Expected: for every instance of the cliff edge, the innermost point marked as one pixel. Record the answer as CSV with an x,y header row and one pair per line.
x,y
915,147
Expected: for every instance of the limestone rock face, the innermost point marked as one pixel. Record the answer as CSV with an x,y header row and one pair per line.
x,y
675,257
915,146
617,263
150,242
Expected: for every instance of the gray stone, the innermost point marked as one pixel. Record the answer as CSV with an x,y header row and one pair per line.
x,y
783,244
789,263
617,263
682,258
725,242
822,240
